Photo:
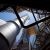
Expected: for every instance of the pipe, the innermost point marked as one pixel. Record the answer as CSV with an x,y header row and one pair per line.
x,y
10,30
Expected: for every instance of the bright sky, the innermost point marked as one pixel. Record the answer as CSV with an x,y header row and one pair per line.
x,y
7,16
